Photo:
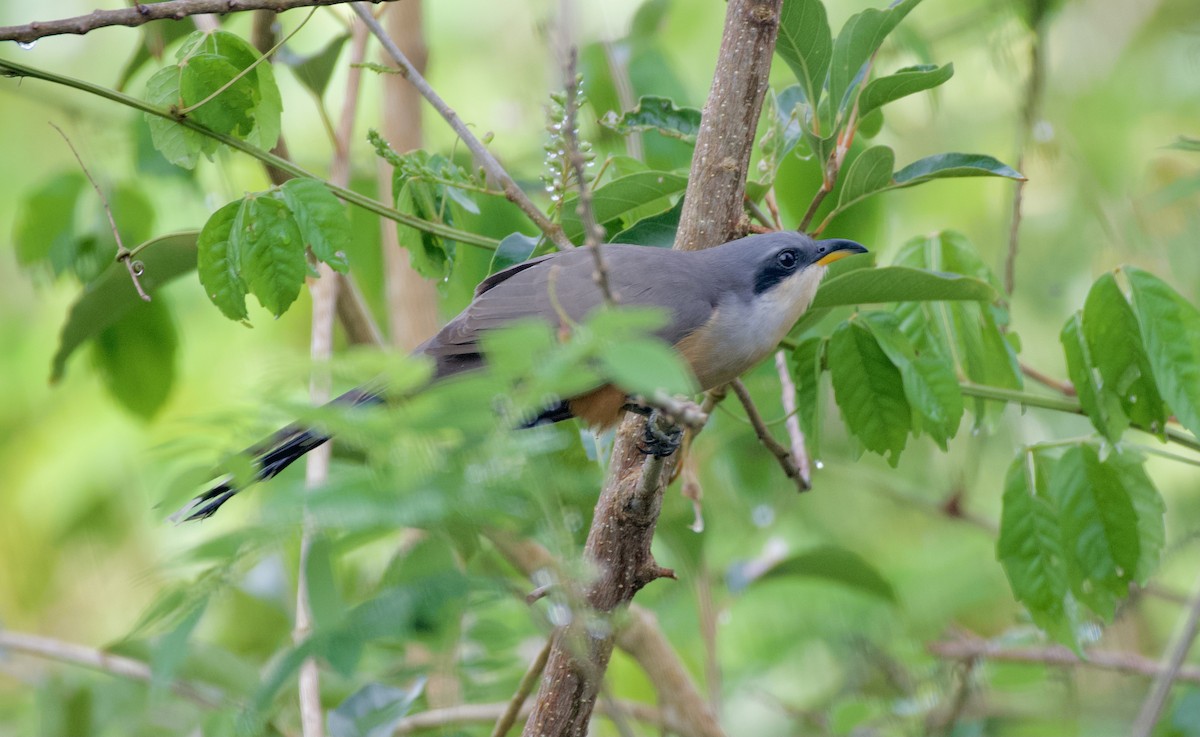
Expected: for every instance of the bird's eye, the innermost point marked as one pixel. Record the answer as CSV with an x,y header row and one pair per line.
x,y
787,259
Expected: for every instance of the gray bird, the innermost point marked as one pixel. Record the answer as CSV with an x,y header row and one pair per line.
x,y
729,307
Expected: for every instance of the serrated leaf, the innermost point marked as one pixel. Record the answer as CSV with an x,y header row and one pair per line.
x,y
899,284
218,263
1115,342
135,357
154,38
869,173
269,105
181,146
1100,528
654,113
806,370
1170,327
856,43
656,230
1031,548
45,225
514,249
228,99
944,166
806,44
904,82
930,385
373,711
1148,504
1103,407
314,70
271,252
111,296
869,390
426,252
830,563
646,366
621,196
322,219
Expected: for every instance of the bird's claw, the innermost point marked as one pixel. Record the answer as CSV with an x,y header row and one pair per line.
x,y
657,442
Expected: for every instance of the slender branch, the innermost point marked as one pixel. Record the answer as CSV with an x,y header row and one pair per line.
x,y
1155,700
1029,111
618,72
439,719
489,163
141,14
782,454
524,688
117,665
13,69
1066,388
976,647
1011,396
787,390
124,255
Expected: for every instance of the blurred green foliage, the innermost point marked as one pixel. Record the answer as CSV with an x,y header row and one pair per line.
x,y
811,612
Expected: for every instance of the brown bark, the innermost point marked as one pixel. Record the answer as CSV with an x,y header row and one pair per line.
x,y
627,510
411,300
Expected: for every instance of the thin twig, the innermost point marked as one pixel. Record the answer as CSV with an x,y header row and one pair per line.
x,y
782,454
440,719
524,688
1057,655
1155,700
593,233
618,71
11,68
124,255
489,163
1065,388
141,14
773,208
787,389
1033,95
117,665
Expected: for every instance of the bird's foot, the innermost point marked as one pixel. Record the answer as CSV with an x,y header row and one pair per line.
x,y
657,441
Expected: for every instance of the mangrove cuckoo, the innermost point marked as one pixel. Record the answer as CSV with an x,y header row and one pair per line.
x,y
729,306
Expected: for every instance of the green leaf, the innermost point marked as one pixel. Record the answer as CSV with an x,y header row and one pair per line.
x,y
1103,407
646,366
656,230
930,385
45,225
314,70
856,43
869,173
171,650
946,250
111,296
899,284
620,196
373,711
135,357
218,263
945,166
1031,548
426,252
869,390
327,606
903,83
514,249
1171,332
655,113
806,368
269,105
1185,143
831,563
181,146
322,220
1115,343
806,44
1148,504
271,251
1099,527
154,38
231,110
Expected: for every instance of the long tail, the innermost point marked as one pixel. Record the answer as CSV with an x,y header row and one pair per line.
x,y
270,458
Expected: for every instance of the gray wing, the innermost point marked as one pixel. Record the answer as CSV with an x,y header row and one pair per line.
x,y
638,275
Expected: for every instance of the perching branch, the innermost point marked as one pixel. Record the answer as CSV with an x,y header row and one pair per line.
x,y
437,720
489,163
792,423
781,453
141,14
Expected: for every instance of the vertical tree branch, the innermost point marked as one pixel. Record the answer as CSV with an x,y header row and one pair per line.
x,y
1157,698
1029,113
623,525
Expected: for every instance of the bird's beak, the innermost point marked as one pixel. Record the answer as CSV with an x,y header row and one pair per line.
x,y
837,248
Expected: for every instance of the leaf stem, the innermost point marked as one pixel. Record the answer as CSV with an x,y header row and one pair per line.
x,y
13,69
